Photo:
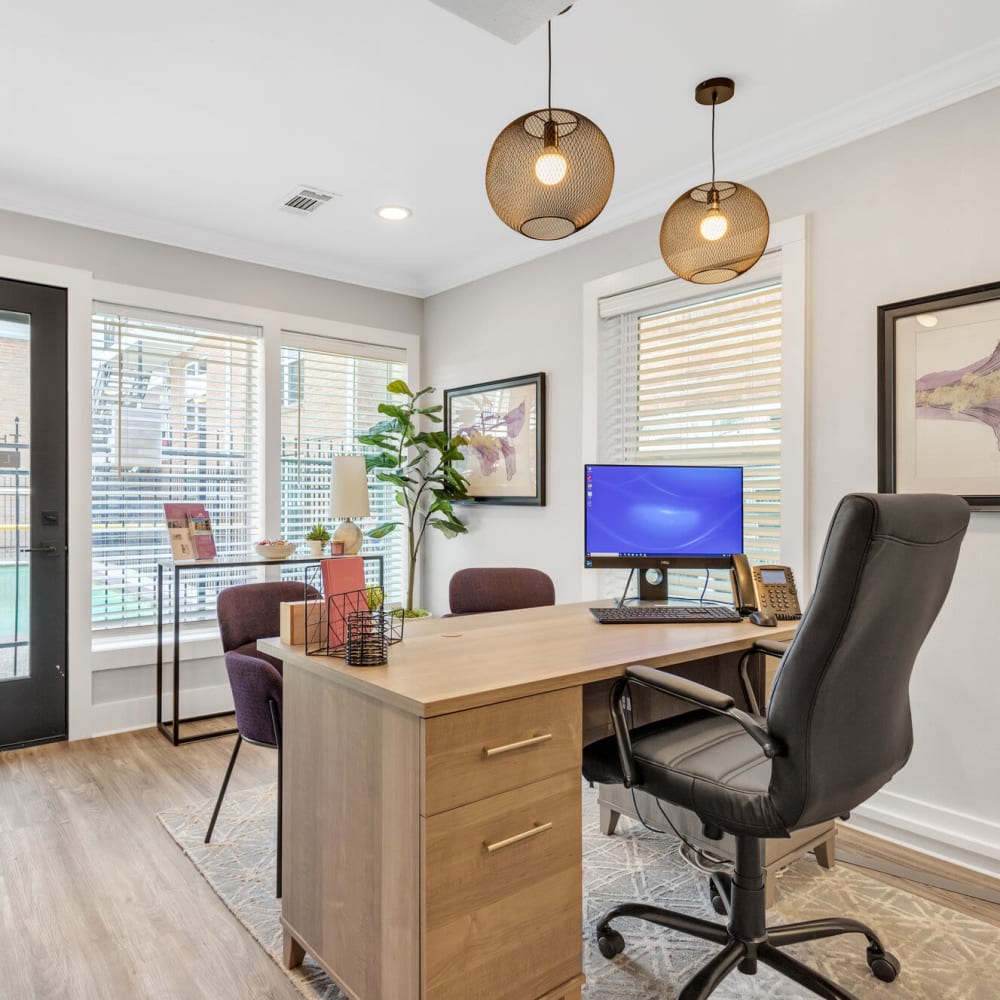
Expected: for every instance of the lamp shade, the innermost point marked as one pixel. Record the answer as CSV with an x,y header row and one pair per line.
x,y
561,203
687,243
349,493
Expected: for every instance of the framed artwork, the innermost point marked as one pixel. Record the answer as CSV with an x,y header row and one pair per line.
x,y
939,395
504,422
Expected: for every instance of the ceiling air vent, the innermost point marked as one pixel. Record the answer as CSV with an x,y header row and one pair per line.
x,y
305,200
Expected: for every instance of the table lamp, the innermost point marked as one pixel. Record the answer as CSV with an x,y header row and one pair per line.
x,y
349,498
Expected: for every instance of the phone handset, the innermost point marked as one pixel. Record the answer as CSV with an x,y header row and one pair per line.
x,y
744,593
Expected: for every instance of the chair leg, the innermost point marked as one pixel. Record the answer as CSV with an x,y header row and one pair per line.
x,y
813,930
276,722
694,926
222,790
710,975
802,974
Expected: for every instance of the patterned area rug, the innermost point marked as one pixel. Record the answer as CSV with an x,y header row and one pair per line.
x,y
945,955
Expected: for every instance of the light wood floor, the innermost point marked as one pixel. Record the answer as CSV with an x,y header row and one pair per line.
x,y
96,901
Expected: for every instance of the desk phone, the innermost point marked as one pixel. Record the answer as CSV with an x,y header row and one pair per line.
x,y
765,588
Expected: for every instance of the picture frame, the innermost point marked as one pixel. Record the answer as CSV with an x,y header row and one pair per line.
x,y
504,420
939,395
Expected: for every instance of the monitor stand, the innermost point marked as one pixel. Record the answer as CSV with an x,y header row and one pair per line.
x,y
653,586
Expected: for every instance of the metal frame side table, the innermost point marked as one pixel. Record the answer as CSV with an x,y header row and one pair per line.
x,y
171,728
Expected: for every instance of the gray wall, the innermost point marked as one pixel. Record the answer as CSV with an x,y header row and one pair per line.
x,y
908,212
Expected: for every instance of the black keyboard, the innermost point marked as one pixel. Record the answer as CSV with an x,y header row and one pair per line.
x,y
655,615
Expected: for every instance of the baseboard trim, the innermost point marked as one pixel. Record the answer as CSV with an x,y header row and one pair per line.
x,y
140,713
946,834
911,874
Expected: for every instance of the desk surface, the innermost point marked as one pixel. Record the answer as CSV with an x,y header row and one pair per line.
x,y
451,664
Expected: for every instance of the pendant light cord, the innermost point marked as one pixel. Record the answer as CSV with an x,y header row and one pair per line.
x,y
714,97
550,70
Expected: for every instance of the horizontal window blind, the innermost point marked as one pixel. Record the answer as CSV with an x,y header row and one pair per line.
x,y
700,384
175,418
335,397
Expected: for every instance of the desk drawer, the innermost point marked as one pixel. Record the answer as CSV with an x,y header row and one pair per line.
x,y
473,754
502,898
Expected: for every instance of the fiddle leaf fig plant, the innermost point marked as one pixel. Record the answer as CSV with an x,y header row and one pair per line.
x,y
419,464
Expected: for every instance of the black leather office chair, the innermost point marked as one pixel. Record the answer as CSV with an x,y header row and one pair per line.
x,y
837,728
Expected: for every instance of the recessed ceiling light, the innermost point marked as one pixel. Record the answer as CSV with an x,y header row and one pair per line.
x,y
394,213
928,320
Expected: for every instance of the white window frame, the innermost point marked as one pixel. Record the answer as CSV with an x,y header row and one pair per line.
x,y
113,648
785,258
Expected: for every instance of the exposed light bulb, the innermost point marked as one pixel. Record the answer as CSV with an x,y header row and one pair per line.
x,y
714,225
551,166
927,320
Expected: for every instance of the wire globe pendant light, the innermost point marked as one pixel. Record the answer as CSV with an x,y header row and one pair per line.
x,y
715,231
550,172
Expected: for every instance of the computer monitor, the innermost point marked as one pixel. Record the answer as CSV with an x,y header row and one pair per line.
x,y
662,516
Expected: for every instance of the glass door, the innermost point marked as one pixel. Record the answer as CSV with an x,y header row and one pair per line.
x,y
32,513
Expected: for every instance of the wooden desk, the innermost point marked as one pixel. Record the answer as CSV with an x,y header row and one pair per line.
x,y
432,843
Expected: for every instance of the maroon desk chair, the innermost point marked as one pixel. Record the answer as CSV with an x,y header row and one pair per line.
x,y
498,588
248,613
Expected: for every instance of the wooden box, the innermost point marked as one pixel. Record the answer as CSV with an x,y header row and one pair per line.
x,y
293,622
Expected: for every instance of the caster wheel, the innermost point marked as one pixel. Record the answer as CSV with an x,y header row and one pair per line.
x,y
716,898
611,943
884,965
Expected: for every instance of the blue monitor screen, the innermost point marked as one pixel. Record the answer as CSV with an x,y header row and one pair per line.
x,y
651,515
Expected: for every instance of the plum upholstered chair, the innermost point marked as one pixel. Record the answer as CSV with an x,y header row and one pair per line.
x,y
248,613
502,588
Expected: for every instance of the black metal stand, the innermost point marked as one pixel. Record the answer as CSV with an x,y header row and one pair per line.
x,y
170,728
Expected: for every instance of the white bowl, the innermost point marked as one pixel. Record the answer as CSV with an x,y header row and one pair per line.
x,y
275,551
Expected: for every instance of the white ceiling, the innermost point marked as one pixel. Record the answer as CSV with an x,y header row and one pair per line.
x,y
189,122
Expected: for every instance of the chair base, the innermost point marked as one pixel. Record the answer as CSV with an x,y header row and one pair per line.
x,y
746,941
744,955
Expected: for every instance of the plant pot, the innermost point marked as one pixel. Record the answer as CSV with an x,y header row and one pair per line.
x,y
315,548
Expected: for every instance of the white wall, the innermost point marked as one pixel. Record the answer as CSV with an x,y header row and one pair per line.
x,y
907,212
111,687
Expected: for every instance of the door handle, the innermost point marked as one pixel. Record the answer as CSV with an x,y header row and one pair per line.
x,y
49,550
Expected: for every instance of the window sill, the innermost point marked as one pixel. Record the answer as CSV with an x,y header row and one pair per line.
x,y
115,652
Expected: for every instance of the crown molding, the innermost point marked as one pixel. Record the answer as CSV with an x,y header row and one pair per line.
x,y
212,242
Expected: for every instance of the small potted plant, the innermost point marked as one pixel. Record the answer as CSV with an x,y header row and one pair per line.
x,y
318,537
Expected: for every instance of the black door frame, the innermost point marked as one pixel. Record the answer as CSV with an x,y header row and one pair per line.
x,y
35,709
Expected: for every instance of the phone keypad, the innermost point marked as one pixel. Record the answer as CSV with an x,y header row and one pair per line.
x,y
782,601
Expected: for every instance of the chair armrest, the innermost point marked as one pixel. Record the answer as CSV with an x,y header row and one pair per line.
x,y
771,647
704,697
681,687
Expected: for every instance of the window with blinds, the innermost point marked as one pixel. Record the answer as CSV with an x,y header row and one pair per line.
x,y
698,383
175,418
330,396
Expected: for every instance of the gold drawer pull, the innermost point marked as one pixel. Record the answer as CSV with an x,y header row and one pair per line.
x,y
520,745
518,837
